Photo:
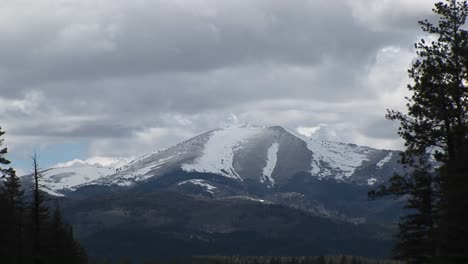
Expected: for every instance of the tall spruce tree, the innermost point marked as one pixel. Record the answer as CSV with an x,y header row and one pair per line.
x,y
39,212
4,218
16,210
436,124
4,172
453,230
437,110
12,206
416,242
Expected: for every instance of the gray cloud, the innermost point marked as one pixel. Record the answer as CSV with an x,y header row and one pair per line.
x,y
160,71
122,38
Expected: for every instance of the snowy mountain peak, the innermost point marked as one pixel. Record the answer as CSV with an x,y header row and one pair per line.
x,y
321,132
268,156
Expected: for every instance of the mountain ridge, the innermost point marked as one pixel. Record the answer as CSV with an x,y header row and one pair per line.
x,y
267,155
222,188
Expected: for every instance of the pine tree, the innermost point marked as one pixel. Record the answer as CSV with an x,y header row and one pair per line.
x,y
63,247
454,210
5,216
436,123
416,243
16,209
40,213
12,204
4,172
437,111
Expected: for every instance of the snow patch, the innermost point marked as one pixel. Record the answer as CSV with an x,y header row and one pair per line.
x,y
56,194
372,181
218,154
241,197
152,166
331,158
271,164
209,188
385,160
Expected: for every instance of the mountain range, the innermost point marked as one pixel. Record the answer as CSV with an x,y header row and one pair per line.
x,y
269,156
231,184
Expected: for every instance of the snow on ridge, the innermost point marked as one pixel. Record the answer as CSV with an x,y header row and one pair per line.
x,y
341,158
219,151
71,177
128,175
271,164
385,160
208,187
151,166
53,193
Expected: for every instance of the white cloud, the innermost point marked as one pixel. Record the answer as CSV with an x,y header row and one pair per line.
x,y
307,131
113,162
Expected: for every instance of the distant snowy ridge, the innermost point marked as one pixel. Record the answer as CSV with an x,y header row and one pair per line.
x,y
59,179
269,156
342,159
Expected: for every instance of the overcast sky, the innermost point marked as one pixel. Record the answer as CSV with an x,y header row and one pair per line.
x,y
116,78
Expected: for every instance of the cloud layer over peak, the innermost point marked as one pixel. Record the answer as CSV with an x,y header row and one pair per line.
x,y
125,77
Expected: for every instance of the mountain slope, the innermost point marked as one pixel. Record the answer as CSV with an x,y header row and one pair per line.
x,y
62,179
249,161
150,225
269,155
229,187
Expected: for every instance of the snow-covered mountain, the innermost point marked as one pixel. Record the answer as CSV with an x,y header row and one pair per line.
x,y
252,170
269,156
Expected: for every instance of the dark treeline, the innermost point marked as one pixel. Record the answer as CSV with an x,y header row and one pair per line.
x,y
435,131
30,232
263,260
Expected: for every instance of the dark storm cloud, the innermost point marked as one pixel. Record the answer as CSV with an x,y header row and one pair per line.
x,y
137,39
